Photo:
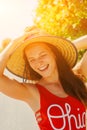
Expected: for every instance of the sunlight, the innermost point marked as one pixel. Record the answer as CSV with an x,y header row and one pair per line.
x,y
3,7
15,16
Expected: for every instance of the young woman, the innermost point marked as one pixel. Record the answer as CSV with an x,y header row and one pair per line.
x,y
56,95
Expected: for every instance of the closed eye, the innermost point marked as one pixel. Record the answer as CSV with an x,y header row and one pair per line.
x,y
32,60
43,55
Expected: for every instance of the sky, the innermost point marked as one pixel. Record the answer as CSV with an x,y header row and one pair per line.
x,y
15,16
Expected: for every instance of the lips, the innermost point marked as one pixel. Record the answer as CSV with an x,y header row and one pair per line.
x,y
43,68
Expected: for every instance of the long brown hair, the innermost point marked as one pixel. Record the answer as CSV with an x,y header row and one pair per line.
x,y
71,83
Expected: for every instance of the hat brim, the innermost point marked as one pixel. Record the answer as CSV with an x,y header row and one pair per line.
x,y
16,63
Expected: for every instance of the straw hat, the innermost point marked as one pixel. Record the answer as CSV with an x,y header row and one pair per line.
x,y
16,63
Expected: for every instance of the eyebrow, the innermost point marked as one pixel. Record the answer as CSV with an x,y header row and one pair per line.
x,y
39,54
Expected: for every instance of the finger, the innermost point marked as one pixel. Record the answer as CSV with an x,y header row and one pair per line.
x,y
30,28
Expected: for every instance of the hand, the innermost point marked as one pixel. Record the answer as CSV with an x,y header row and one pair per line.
x,y
34,31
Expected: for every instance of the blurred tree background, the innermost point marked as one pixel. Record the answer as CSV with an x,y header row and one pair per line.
x,y
67,18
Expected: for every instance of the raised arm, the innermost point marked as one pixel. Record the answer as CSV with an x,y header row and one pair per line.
x,y
10,87
81,67
81,43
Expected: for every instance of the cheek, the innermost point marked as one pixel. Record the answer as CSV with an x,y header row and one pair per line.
x,y
53,62
32,65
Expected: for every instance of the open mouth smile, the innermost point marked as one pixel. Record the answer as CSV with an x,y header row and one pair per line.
x,y
43,68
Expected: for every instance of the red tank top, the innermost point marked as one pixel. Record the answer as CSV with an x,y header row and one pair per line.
x,y
58,113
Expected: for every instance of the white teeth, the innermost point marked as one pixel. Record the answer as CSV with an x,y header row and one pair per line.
x,y
43,67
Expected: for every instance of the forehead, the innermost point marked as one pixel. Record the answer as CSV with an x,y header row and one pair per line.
x,y
38,46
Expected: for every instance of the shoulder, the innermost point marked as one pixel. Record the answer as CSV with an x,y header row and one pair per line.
x,y
31,88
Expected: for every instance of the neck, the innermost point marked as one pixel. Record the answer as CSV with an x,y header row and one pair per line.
x,y
53,80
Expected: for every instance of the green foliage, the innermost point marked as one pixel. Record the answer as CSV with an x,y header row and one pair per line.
x,y
67,18
81,53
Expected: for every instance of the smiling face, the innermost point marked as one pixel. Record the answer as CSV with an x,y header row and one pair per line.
x,y
41,59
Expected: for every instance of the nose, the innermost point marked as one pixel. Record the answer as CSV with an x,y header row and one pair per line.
x,y
39,62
